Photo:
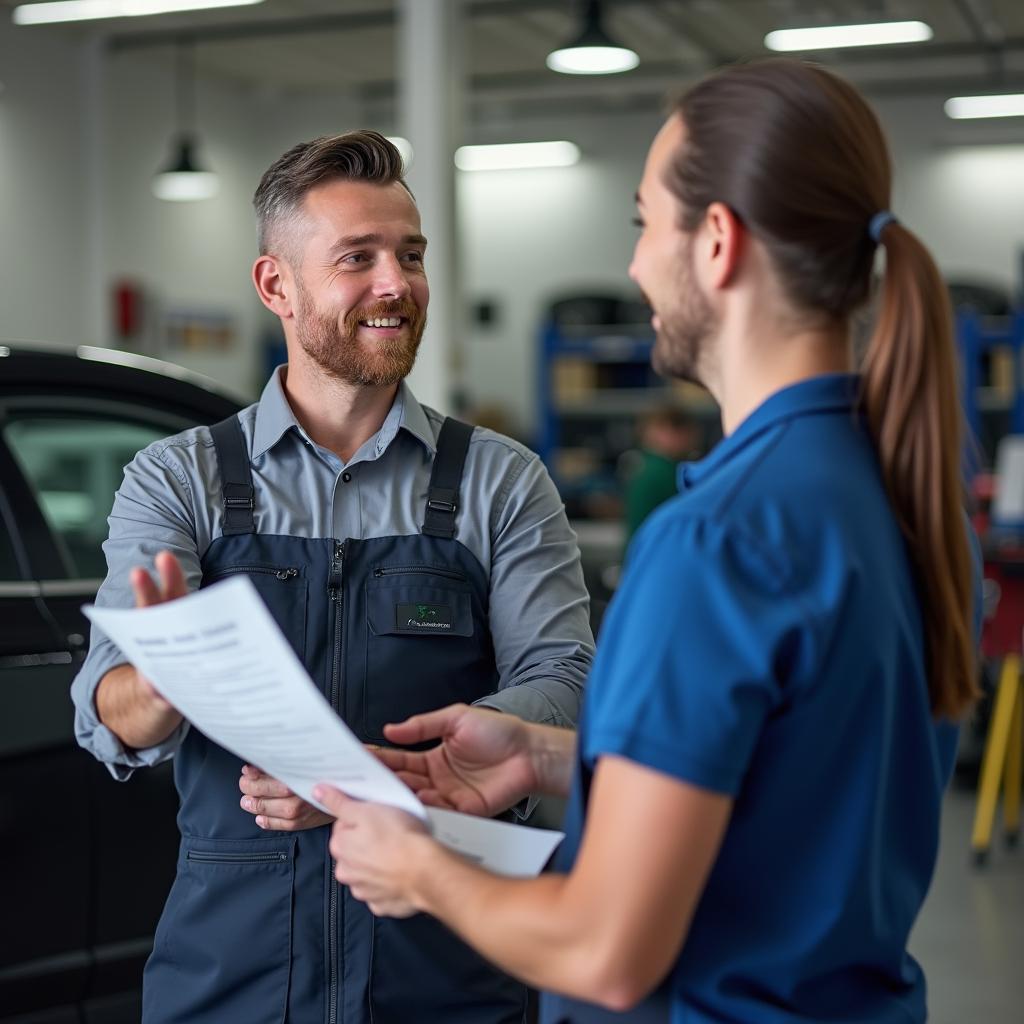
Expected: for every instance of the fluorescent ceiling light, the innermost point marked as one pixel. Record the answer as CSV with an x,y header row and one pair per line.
x,y
829,37
965,107
404,147
85,10
516,156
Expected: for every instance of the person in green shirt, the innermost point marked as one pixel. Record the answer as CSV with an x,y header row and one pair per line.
x,y
667,437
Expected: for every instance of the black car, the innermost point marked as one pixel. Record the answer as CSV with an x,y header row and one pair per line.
x,y
85,862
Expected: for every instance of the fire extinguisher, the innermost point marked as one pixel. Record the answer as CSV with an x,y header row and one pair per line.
x,y
128,304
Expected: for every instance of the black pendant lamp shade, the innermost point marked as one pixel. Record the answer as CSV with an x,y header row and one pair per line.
x,y
183,179
593,51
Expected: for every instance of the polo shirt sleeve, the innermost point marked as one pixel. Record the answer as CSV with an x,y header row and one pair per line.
x,y
695,652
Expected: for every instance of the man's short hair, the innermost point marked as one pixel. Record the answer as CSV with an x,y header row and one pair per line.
x,y
362,155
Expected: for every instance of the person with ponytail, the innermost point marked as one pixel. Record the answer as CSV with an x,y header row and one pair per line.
x,y
771,718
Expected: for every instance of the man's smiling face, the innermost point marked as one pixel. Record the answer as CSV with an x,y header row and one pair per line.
x,y
361,285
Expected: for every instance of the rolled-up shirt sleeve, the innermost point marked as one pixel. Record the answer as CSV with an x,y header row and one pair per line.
x,y
539,608
152,512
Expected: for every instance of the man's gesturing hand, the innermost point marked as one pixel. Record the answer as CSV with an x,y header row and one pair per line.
x,y
127,702
147,592
275,805
482,765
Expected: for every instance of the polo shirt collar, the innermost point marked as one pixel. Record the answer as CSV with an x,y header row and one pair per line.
x,y
405,414
833,392
411,418
274,418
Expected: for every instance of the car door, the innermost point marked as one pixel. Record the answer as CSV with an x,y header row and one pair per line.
x,y
46,829
68,453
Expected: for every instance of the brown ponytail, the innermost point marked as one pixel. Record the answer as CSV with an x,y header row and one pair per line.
x,y
911,400
799,156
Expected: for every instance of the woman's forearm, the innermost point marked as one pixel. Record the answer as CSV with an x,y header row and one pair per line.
x,y
607,932
525,926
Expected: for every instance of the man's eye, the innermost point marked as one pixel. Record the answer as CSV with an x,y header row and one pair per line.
x,y
354,257
413,257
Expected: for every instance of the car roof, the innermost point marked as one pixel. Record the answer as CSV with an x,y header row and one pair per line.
x,y
29,368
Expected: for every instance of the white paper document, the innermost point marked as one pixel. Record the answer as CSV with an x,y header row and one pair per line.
x,y
220,659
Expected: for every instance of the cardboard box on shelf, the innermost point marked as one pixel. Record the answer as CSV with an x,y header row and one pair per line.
x,y
572,378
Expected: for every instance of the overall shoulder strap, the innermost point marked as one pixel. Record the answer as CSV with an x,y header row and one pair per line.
x,y
445,478
236,476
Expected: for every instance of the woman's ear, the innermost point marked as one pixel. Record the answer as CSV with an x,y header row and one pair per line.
x,y
724,237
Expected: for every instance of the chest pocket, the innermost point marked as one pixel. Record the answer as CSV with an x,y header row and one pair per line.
x,y
284,590
425,645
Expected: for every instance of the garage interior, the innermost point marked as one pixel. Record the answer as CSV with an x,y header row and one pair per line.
x,y
535,329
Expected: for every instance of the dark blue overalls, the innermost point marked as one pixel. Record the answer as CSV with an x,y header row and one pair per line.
x,y
256,930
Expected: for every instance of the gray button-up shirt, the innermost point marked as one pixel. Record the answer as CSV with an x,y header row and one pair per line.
x,y
511,518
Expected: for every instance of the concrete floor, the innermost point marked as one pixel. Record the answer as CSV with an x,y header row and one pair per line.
x,y
970,935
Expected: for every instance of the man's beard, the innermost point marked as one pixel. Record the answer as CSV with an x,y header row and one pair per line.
x,y
339,352
685,327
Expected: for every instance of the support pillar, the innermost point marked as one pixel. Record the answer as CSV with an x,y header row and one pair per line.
x,y
430,94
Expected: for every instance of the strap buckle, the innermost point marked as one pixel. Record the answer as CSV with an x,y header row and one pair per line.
x,y
238,501
437,505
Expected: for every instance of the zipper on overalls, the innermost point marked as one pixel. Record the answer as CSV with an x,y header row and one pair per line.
x,y
334,590
217,857
267,570
417,570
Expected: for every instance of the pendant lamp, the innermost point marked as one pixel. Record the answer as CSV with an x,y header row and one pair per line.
x,y
593,51
183,179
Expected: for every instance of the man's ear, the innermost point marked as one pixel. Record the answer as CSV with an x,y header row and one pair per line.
x,y
723,244
275,285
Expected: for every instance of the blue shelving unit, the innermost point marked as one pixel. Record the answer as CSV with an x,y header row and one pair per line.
x,y
602,344
602,420
980,336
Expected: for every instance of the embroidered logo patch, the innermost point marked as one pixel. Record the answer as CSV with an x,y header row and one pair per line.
x,y
425,618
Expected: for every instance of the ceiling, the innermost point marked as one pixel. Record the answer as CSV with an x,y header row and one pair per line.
x,y
349,46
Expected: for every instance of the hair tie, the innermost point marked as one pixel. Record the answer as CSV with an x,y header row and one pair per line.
x,y
879,223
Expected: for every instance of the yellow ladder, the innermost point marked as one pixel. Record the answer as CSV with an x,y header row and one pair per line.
x,y
1001,762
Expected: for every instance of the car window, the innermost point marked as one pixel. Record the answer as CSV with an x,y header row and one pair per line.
x,y
75,464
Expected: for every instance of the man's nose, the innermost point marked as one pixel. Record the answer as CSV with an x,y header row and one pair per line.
x,y
390,280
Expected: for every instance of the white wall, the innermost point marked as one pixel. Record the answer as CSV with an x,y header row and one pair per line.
x,y
531,236
969,204
960,186
42,223
184,256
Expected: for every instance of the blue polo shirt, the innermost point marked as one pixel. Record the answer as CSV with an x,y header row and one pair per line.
x,y
766,643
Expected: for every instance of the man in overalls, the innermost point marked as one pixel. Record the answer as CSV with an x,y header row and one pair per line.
x,y
411,562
